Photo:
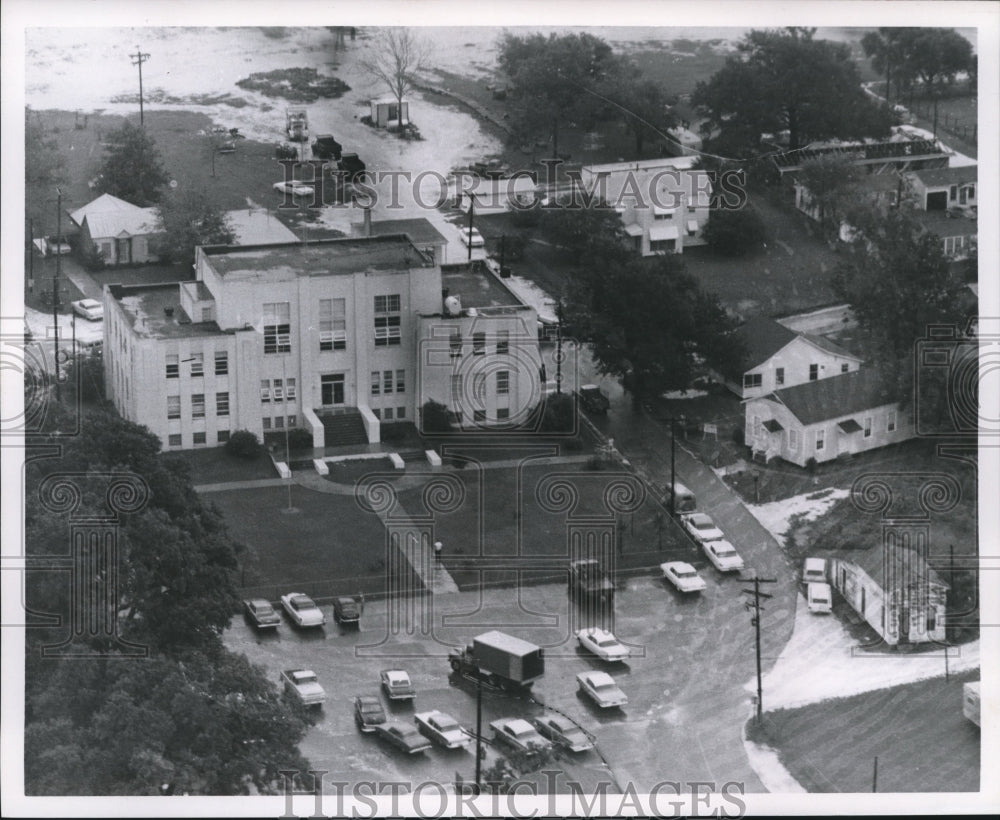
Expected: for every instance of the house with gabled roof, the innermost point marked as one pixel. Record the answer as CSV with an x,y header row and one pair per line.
x,y
895,590
947,206
777,357
120,231
826,418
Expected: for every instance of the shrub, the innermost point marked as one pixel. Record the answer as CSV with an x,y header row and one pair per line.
x,y
811,465
559,415
734,233
300,439
92,259
739,437
393,432
434,417
243,444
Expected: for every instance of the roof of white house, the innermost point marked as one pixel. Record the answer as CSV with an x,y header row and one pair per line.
x,y
939,177
137,222
837,396
104,204
763,337
894,567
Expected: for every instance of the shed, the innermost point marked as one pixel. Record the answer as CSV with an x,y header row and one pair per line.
x,y
388,111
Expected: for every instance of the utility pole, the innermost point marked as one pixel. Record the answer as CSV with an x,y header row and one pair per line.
x,y
673,477
756,608
468,239
479,731
138,59
875,775
55,292
31,256
559,356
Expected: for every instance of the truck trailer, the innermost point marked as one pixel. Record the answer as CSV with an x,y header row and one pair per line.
x,y
500,659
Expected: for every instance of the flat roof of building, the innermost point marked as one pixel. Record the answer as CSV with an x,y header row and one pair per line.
x,y
323,257
419,230
642,165
477,288
146,306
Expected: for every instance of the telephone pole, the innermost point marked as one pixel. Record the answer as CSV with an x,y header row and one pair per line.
x,y
138,59
756,608
55,291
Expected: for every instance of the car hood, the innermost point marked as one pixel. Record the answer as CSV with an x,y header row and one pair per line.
x,y
310,616
310,688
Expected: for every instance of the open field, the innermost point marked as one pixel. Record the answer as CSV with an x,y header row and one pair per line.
x,y
917,731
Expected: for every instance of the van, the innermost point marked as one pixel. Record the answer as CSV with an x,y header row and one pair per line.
x,y
684,500
814,571
819,597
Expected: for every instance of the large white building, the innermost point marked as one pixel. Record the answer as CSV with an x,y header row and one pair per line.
x,y
336,336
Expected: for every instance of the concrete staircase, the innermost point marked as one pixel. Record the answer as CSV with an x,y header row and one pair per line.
x,y
343,429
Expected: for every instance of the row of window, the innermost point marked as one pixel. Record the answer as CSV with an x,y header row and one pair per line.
x,y
198,405
389,413
479,343
277,390
819,436
278,422
177,440
197,362
756,379
502,385
479,416
384,383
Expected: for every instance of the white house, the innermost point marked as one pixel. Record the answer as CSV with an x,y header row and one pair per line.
x,y
894,590
947,206
826,418
386,112
778,357
119,230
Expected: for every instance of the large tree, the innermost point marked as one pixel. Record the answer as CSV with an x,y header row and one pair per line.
x,y
935,56
650,324
554,80
44,168
640,104
787,80
132,168
885,48
831,181
393,58
186,220
585,229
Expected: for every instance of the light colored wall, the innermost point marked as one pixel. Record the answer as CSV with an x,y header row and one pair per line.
x,y
795,358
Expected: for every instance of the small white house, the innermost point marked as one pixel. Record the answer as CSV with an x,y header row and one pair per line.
x,y
386,112
119,230
937,189
778,357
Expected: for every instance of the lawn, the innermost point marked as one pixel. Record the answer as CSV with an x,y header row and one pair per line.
x,y
917,731
215,465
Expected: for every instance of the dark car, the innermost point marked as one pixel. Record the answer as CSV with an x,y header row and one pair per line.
x,y
261,614
592,399
588,580
352,166
368,712
347,609
403,736
326,147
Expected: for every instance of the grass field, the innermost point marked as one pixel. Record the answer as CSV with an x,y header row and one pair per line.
x,y
215,465
917,731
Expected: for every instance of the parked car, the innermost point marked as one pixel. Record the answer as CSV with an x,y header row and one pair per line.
x,y
518,734
403,736
563,732
326,147
303,685
347,609
294,187
302,609
261,614
683,576
701,527
396,684
442,729
471,236
89,309
587,579
723,555
601,688
819,597
684,500
57,245
814,571
592,399
602,643
368,712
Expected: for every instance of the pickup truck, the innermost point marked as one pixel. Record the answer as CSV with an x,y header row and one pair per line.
x,y
303,685
592,399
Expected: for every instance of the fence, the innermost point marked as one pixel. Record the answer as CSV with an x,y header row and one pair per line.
x,y
948,122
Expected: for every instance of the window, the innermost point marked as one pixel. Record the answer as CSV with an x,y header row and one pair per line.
x,y
290,389
174,440
173,407
779,376
401,413
387,331
387,414
456,343
387,304
868,426
820,440
503,341
503,382
503,414
206,316
221,362
279,421
266,423
376,383
400,381
222,436
953,193
332,324
265,390
173,366
891,421
278,390
199,438
277,328
844,367
197,364
478,343
793,440
752,380
222,404
197,405
292,421
387,382
813,372
931,618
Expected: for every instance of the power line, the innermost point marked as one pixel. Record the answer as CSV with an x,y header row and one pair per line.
x,y
755,608
138,59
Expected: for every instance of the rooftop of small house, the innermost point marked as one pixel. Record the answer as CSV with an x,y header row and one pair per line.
x,y
154,311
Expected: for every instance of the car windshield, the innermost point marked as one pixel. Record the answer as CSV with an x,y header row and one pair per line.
x,y
820,599
725,552
685,573
398,678
703,523
371,708
604,687
302,603
607,642
264,609
445,724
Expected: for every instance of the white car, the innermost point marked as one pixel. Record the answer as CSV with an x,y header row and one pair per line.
x,y
518,733
814,571
701,527
442,729
563,732
602,643
302,609
723,555
683,576
601,688
295,188
53,245
396,684
89,309
471,236
819,597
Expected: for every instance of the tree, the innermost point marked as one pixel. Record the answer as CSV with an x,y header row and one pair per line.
x,y
44,168
585,232
885,48
935,56
554,80
185,220
734,232
132,169
434,418
786,80
650,324
831,181
640,104
394,58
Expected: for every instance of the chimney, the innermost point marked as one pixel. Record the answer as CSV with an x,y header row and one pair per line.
x,y
368,221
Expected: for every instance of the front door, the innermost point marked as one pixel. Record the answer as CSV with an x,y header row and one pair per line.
x,y
332,389
124,251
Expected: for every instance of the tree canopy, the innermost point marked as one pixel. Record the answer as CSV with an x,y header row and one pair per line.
x,y
393,58
187,219
831,181
786,80
132,168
